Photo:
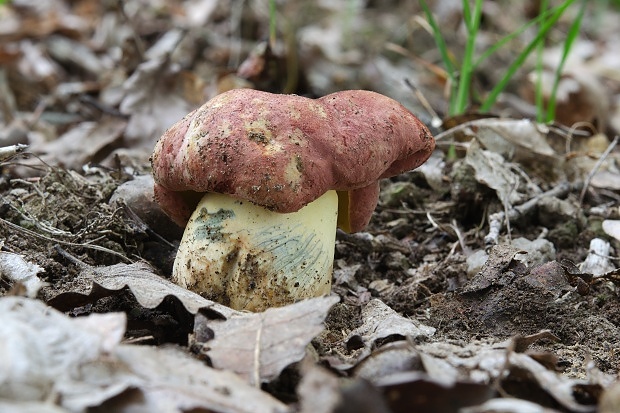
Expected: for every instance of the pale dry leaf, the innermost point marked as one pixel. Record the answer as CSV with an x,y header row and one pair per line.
x,y
79,364
169,380
391,358
157,95
198,12
508,405
318,390
538,251
84,143
379,322
148,288
42,350
17,269
612,228
258,346
77,53
30,407
36,65
493,171
484,362
525,138
606,180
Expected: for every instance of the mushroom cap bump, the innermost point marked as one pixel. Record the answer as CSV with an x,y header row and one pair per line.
x,y
284,151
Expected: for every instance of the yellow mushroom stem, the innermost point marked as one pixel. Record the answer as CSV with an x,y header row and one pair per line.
x,y
249,258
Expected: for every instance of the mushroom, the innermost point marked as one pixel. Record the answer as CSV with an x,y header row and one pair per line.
x,y
261,180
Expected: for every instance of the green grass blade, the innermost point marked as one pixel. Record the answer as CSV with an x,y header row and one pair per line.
x,y
467,67
501,42
572,34
501,85
538,98
466,14
439,41
445,55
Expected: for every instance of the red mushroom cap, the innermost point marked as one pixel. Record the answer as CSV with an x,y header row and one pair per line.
x,y
284,151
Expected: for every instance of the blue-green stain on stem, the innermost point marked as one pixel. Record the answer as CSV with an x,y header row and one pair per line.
x,y
211,224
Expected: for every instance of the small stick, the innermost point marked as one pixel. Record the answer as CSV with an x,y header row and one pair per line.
x,y
496,220
597,166
7,152
57,241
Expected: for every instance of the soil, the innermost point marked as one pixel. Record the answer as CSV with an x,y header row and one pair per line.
x,y
413,268
426,253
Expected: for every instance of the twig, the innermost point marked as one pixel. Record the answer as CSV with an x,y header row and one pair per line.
x,y
57,241
481,123
7,152
497,220
597,166
435,119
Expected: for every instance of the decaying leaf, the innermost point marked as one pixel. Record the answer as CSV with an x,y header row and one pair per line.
x,y
500,258
148,288
258,346
516,373
380,323
17,269
493,171
415,391
80,365
86,142
153,104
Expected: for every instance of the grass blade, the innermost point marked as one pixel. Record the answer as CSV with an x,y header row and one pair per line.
x,y
572,34
501,85
443,50
538,98
467,66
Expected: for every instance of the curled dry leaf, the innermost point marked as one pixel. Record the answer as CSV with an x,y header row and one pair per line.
x,y
148,288
612,228
493,171
482,362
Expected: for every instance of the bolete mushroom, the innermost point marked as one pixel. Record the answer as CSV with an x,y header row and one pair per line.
x,y
261,181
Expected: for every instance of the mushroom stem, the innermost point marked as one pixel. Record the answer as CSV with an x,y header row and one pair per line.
x,y
250,258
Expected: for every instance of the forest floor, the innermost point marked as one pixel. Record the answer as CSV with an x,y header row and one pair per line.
x,y
486,281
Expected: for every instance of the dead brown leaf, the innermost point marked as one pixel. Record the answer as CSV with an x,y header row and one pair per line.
x,y
148,288
258,346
